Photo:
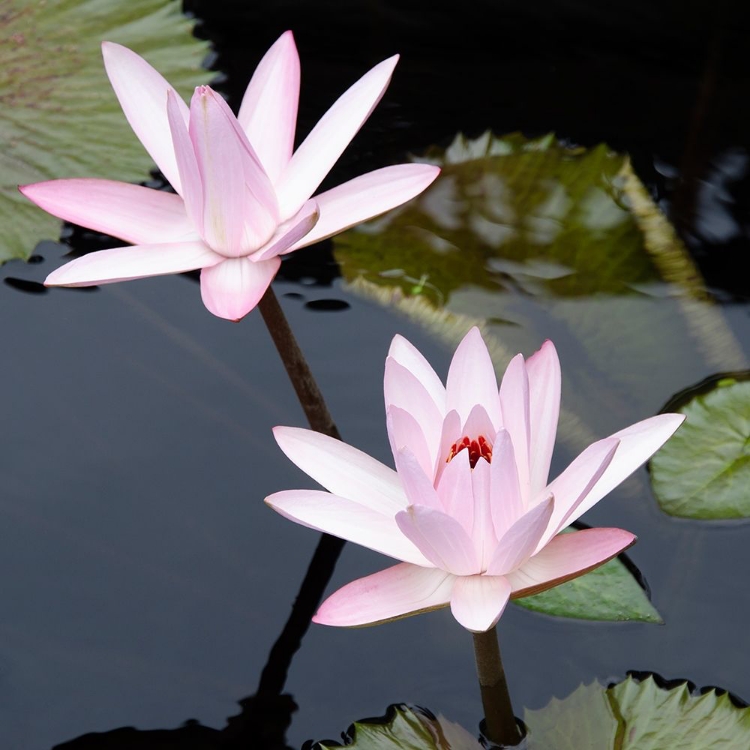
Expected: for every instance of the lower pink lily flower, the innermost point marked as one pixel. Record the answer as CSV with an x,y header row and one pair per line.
x,y
243,195
468,510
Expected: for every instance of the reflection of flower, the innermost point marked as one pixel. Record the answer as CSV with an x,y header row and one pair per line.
x,y
468,509
243,196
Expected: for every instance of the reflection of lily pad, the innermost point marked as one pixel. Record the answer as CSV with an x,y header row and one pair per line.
x,y
531,239
58,114
639,715
704,470
609,593
631,715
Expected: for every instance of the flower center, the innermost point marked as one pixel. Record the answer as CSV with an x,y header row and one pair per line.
x,y
478,448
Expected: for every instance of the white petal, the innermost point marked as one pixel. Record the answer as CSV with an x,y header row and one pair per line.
x,y
455,490
568,556
321,149
268,113
471,380
637,444
417,485
514,400
404,432
393,593
411,358
543,369
521,539
574,485
143,96
483,530
440,538
477,602
346,519
136,214
126,263
233,288
342,469
506,502
367,196
289,232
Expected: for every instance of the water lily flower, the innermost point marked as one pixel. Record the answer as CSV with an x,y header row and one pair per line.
x,y
469,510
243,196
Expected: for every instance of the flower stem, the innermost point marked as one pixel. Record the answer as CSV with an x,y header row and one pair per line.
x,y
308,393
500,722
273,677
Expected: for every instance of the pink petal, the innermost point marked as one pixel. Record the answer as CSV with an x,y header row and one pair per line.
x,y
346,519
342,469
440,538
268,113
514,400
574,485
133,213
483,531
289,232
521,539
404,432
143,96
568,556
479,423
403,389
507,504
417,485
368,196
219,155
233,288
543,369
450,433
637,444
471,380
407,355
126,263
477,602
184,154
388,595
455,490
328,139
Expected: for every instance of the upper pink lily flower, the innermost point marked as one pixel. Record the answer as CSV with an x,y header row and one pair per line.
x,y
243,195
469,510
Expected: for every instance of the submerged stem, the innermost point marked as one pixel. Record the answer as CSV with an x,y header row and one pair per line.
x,y
500,722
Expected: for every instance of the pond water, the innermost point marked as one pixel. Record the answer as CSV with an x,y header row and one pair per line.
x,y
144,581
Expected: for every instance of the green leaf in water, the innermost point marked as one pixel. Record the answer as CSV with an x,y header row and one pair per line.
x,y
704,470
609,593
639,715
405,728
58,114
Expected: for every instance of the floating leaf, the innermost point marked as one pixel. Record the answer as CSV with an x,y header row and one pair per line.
x,y
405,728
609,593
58,114
704,470
639,715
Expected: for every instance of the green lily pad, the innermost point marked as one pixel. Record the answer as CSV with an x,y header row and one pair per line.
x,y
639,715
630,715
609,593
406,728
58,114
704,470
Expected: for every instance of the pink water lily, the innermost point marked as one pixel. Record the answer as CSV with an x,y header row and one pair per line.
x,y
243,195
469,510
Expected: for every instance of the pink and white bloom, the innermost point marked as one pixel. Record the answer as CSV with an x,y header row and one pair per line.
x,y
469,510
243,195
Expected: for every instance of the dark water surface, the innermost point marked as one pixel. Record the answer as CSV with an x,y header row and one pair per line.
x,y
144,580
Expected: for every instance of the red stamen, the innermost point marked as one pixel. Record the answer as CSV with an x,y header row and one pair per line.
x,y
478,448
